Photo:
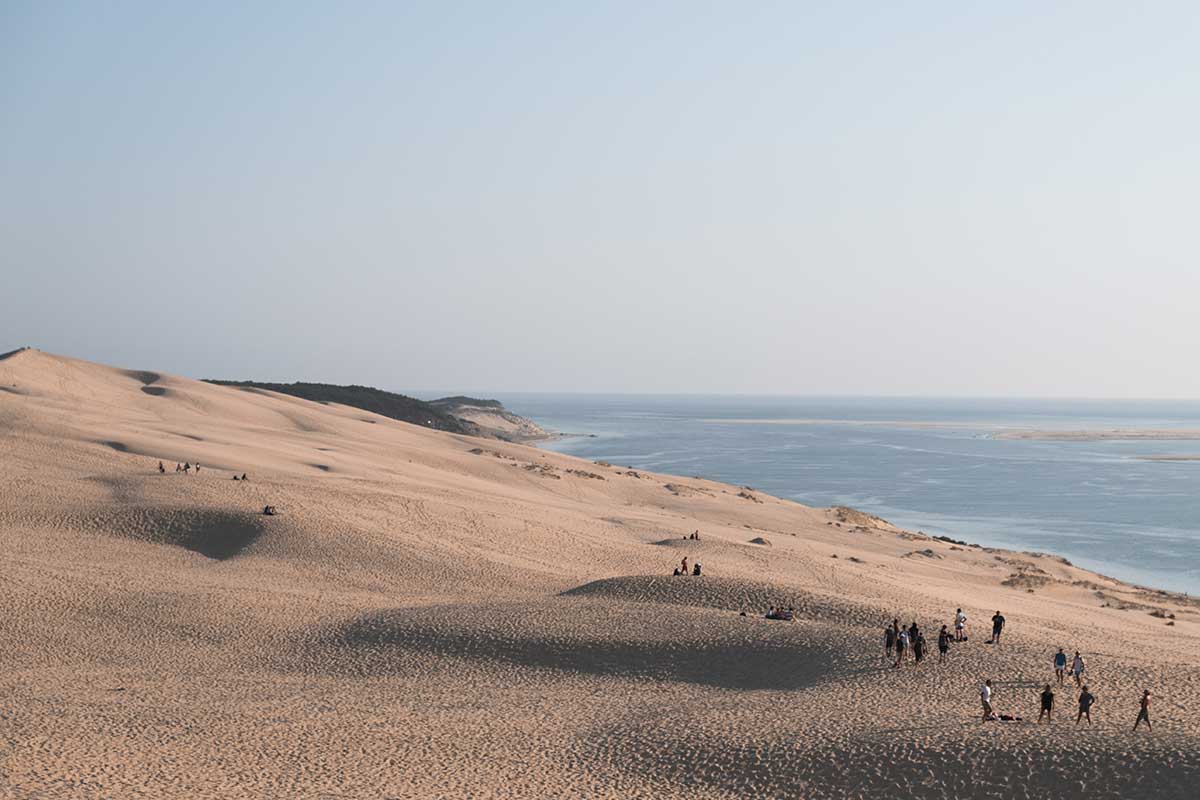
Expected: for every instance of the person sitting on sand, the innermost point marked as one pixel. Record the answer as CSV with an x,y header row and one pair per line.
x,y
943,644
997,627
1047,703
985,697
1144,714
1060,665
960,623
1086,701
243,476
235,477
1077,668
269,510
696,568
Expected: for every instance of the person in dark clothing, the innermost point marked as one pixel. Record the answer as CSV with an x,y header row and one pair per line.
x,y
1047,703
1060,665
889,640
161,469
1144,714
676,572
243,476
696,568
1086,701
943,644
919,647
997,627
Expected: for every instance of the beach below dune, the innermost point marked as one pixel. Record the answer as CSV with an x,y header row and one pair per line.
x,y
433,615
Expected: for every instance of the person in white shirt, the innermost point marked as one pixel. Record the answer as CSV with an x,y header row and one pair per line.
x,y
960,622
985,696
901,645
1077,668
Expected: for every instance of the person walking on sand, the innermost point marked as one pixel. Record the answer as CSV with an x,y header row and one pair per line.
x,y
997,627
1144,713
919,648
985,697
684,569
187,467
943,644
1060,665
1077,668
1086,701
960,623
889,639
901,644
1047,703
178,467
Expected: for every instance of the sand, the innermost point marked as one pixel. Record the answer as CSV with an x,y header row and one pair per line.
x,y
1105,435
431,615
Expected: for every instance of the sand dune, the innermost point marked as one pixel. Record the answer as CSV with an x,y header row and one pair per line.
x,y
430,615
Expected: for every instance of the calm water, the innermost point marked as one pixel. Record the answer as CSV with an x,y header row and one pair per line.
x,y
1100,504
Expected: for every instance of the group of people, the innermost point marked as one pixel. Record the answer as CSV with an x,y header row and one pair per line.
x,y
1048,700
899,641
186,468
1060,667
682,569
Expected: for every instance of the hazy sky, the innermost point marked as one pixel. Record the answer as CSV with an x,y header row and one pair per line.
x,y
956,198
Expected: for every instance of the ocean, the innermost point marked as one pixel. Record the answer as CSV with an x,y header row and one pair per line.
x,y
934,465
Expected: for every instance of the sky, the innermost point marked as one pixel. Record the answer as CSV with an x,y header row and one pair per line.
x,y
963,198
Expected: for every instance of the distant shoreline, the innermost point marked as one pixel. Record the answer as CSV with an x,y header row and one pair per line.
x,y
1000,431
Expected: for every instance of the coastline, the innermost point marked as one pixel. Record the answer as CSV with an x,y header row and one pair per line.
x,y
1009,533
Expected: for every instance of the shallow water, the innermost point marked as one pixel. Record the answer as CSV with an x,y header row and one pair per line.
x,y
927,464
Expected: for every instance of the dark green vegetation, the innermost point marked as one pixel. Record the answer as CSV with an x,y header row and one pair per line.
x,y
377,401
461,400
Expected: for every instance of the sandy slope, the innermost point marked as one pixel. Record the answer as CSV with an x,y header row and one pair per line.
x,y
438,616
